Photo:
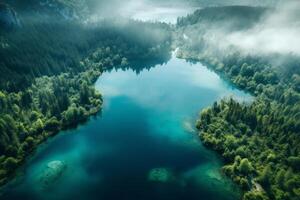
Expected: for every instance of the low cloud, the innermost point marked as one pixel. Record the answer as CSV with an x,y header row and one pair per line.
x,y
159,10
278,32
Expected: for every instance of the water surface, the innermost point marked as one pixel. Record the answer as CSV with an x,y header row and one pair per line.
x,y
146,125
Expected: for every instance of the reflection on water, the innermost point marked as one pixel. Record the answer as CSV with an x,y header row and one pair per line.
x,y
142,147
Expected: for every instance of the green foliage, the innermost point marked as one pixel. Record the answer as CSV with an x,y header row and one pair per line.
x,y
245,166
231,17
10,164
259,140
50,69
257,147
265,177
294,162
255,196
52,47
52,124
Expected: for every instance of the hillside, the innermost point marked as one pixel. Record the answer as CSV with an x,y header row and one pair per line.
x,y
52,54
231,17
259,141
48,69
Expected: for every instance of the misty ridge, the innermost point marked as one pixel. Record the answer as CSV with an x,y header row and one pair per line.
x,y
259,28
219,28
93,10
158,10
254,31
266,34
277,32
251,27
53,52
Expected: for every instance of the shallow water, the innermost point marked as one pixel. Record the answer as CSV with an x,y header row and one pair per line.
x,y
146,124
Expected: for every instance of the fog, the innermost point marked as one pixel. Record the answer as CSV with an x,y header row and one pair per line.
x,y
143,10
160,10
278,32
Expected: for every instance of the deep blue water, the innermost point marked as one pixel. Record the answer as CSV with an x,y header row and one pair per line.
x,y
146,123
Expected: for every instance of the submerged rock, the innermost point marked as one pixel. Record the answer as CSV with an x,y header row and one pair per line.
x,y
188,126
52,173
204,175
160,175
214,174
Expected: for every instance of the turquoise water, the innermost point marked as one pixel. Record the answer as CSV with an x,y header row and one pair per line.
x,y
142,146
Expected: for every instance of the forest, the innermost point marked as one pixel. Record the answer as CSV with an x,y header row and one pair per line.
x,y
50,69
259,141
50,61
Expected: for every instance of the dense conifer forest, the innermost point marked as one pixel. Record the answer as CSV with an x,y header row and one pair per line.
x,y
259,141
50,61
48,73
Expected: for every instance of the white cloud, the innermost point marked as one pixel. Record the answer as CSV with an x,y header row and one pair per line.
x,y
278,32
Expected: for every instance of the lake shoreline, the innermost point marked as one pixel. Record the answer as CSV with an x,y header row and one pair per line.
x,y
174,66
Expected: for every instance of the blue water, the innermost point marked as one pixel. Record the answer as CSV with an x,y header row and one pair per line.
x,y
147,123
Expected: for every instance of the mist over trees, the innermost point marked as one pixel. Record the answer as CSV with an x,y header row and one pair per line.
x,y
54,52
260,140
49,65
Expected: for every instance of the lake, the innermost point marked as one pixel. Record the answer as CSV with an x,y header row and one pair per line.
x,y
142,145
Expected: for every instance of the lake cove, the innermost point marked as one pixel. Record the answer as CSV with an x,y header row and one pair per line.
x,y
142,145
